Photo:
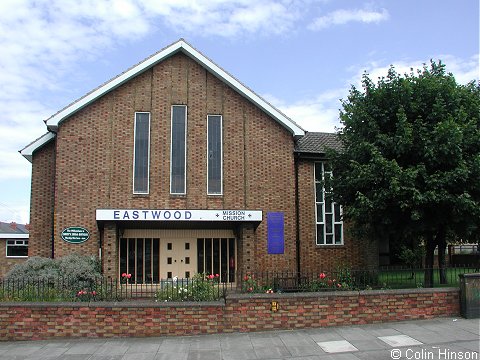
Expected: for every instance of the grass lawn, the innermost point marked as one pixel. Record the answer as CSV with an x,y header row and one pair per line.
x,y
395,279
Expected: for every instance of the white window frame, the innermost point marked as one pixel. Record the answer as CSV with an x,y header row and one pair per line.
x,y
16,242
322,203
171,150
221,156
148,155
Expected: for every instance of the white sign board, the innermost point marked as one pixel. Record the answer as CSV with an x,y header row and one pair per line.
x,y
177,215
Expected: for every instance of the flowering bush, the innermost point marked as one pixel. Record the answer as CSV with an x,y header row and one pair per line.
x,y
125,278
341,280
250,284
201,287
212,277
84,295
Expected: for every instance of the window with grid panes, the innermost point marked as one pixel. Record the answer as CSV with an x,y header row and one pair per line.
x,y
328,214
17,248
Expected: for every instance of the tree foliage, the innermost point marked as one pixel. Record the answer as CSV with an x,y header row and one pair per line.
x,y
410,165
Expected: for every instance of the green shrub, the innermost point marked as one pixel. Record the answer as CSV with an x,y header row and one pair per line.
x,y
200,288
250,284
44,279
34,268
73,268
341,279
36,293
412,257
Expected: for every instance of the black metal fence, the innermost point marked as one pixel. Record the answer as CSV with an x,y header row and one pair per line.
x,y
346,279
105,289
210,288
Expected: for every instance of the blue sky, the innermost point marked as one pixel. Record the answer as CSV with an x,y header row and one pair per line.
x,y
300,55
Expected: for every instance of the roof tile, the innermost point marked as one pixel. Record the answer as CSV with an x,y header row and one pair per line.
x,y
317,143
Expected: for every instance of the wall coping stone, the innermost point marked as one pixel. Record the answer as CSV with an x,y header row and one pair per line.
x,y
221,303
115,304
344,293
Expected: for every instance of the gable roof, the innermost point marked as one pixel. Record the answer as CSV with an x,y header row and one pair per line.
x,y
185,48
317,143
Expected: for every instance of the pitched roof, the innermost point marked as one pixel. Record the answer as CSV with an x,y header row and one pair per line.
x,y
179,46
317,143
184,47
28,150
13,231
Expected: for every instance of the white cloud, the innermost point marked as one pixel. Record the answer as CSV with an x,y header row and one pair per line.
x,y
340,17
227,17
463,69
43,40
18,213
319,113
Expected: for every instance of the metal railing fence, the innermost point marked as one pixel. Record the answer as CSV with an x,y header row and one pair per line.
x,y
108,289
211,288
341,279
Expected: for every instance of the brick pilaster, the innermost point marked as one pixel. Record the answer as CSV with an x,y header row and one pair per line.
x,y
246,249
110,251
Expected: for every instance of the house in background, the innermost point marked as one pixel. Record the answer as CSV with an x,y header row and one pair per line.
x,y
174,167
13,245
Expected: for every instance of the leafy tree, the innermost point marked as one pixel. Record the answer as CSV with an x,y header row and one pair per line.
x,y
409,170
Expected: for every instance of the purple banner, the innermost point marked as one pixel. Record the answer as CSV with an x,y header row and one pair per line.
x,y
275,233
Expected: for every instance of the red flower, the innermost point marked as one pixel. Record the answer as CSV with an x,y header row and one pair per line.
x,y
216,275
339,285
94,293
250,289
129,276
246,278
322,276
211,276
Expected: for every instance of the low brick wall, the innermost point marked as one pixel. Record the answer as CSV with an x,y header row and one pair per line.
x,y
240,313
253,313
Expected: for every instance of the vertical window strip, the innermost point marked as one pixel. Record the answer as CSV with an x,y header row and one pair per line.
x,y
178,150
141,153
328,214
214,155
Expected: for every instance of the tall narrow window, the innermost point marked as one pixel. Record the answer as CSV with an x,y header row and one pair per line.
x,y
178,150
141,155
328,214
214,154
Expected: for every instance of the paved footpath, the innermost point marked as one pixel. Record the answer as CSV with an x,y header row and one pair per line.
x,y
442,339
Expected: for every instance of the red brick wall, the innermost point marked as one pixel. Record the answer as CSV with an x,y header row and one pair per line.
x,y
41,201
95,157
240,313
354,253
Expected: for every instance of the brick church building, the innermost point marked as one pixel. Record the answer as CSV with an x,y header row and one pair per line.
x,y
175,167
